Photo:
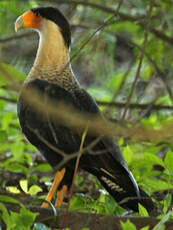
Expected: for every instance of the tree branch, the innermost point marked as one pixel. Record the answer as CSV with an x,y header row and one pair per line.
x,y
15,37
134,105
8,99
78,220
139,19
113,104
140,61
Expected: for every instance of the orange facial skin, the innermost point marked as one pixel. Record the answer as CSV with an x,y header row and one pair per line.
x,y
31,20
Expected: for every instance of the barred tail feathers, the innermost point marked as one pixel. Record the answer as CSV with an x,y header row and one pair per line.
x,y
122,187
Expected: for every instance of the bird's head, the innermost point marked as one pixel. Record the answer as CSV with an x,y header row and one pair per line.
x,y
36,18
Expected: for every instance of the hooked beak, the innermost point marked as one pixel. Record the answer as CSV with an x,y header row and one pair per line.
x,y
19,23
28,20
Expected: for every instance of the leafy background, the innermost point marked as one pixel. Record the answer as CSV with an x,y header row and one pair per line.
x,y
109,68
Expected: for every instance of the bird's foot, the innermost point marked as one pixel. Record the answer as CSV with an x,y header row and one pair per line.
x,y
60,196
57,180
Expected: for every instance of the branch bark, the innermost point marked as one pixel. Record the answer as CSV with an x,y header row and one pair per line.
x,y
78,220
114,104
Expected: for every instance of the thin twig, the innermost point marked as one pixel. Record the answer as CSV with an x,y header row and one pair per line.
x,y
86,150
42,139
66,157
15,37
141,20
74,119
134,105
88,40
8,99
74,176
140,62
113,104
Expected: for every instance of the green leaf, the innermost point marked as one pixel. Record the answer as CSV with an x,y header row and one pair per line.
x,y
169,161
167,203
77,202
142,210
121,141
158,185
24,185
102,197
110,204
18,149
25,219
9,199
16,167
128,154
3,136
34,189
13,189
8,72
43,168
6,217
152,159
145,228
28,158
7,120
128,225
100,94
160,225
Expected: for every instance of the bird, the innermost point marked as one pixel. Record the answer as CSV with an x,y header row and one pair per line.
x,y
52,78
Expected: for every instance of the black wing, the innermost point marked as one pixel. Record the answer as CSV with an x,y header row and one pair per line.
x,y
110,168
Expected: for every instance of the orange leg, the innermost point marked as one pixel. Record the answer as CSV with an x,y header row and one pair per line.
x,y
57,180
60,196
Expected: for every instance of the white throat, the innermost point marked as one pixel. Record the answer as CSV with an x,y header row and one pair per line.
x,y
52,54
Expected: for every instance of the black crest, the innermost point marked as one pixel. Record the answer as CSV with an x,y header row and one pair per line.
x,y
57,17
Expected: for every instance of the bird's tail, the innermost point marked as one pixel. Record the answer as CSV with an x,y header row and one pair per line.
x,y
124,189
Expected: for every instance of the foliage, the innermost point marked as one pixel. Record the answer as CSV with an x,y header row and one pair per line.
x,y
111,60
22,220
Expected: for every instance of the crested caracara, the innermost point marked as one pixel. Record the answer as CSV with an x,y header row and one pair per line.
x,y
53,81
